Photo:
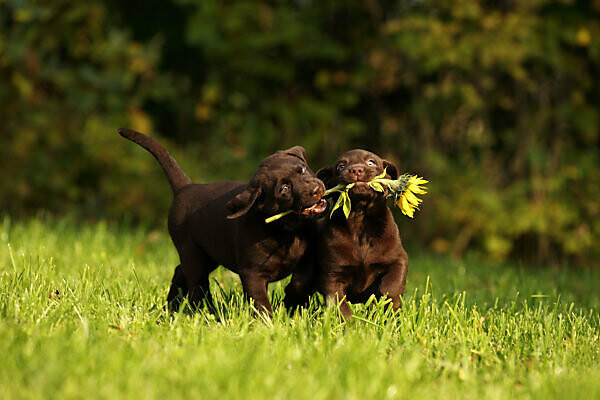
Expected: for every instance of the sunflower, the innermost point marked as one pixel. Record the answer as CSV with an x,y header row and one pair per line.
x,y
403,190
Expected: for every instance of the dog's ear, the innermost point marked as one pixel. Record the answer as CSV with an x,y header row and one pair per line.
x,y
297,151
326,174
390,169
243,202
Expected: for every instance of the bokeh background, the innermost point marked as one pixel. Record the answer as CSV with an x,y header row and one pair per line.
x,y
496,102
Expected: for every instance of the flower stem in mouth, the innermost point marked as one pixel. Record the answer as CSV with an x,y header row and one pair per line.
x,y
277,216
342,201
403,190
337,188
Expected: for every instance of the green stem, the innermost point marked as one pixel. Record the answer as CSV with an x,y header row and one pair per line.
x,y
338,188
277,216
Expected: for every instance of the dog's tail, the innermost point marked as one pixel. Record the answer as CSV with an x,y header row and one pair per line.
x,y
177,178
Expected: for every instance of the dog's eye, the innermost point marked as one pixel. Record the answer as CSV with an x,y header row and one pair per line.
x,y
371,163
341,166
284,188
301,170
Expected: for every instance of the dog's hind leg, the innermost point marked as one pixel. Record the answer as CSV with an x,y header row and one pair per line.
x,y
196,266
178,290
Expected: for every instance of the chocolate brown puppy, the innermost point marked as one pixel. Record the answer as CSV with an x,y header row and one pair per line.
x,y
362,255
222,223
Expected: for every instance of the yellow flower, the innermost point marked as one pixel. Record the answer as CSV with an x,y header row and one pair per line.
x,y
406,208
411,198
405,193
403,190
414,185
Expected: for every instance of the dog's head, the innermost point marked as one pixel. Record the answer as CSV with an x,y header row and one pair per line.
x,y
282,182
358,167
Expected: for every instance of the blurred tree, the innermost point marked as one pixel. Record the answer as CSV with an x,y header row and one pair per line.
x,y
69,79
495,101
505,103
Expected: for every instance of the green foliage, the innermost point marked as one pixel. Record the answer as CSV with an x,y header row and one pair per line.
x,y
495,102
70,78
82,316
506,108
343,199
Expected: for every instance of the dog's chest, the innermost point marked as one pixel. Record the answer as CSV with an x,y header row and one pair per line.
x,y
359,260
368,253
359,256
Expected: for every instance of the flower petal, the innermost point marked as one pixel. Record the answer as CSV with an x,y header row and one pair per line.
x,y
411,198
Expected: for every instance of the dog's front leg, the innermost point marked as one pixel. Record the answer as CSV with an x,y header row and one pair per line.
x,y
298,292
334,292
302,285
393,282
255,288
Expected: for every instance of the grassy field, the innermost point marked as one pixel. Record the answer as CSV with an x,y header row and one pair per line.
x,y
81,316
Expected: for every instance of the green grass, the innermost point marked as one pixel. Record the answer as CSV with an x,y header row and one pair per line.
x,y
468,329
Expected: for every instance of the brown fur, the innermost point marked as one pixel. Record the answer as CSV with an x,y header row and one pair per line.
x,y
359,256
222,223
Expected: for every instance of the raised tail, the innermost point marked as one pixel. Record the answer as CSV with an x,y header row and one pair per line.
x,y
177,178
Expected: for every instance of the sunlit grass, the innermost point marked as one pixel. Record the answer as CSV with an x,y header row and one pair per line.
x,y
81,315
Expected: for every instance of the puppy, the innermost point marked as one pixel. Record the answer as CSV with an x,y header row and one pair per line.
x,y
223,223
361,255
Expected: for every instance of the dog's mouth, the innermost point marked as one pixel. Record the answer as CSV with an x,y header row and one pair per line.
x,y
361,188
317,208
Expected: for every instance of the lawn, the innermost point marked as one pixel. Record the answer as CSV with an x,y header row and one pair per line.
x,y
81,316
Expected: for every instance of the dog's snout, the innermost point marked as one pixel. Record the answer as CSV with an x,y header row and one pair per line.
x,y
357,170
317,191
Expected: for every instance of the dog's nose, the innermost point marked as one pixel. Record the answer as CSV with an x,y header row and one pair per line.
x,y
357,170
317,191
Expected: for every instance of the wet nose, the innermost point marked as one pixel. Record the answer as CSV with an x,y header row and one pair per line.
x,y
357,170
317,191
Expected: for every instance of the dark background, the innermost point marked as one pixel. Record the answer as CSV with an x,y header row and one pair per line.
x,y
495,102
